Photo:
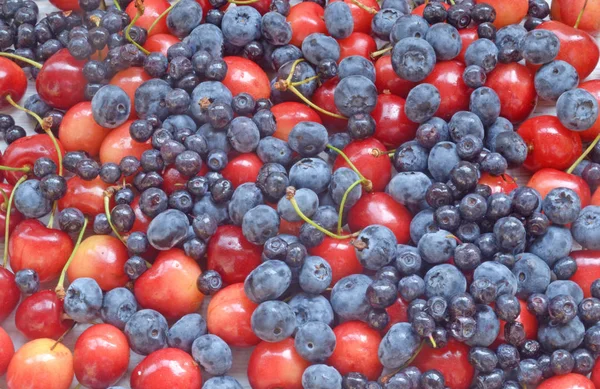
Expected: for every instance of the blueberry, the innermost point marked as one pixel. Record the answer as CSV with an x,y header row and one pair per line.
x,y
182,334
315,341
241,25
465,123
341,180
321,377
312,173
383,21
586,227
348,297
375,247
413,59
260,223
311,308
184,17
146,331
150,99
268,281
83,300
308,138
409,188
355,94
444,280
421,224
499,274
213,354
568,336
555,244
273,321
315,275
168,229
222,382
272,149
555,78
565,268
562,206
27,280
442,159
118,306
338,20
410,157
275,29
398,345
206,37
244,198
487,327
437,247
474,76
539,46
317,47
206,93
409,26
408,260
532,274
243,134
485,103
445,40
565,287
422,103
577,109
29,199
508,39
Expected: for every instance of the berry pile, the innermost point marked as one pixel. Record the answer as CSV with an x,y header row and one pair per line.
x,y
332,174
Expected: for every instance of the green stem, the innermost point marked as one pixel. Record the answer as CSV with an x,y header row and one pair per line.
x,y
580,16
20,58
367,183
139,5
107,212
381,52
60,339
117,5
343,203
51,220
24,169
585,154
295,91
7,221
364,7
162,15
60,289
305,81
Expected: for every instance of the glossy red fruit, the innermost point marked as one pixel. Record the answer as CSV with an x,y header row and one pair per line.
x,y
25,151
242,168
142,221
228,316
101,356
392,126
101,257
169,367
592,86
550,144
15,216
174,180
529,321
508,11
7,350
41,315
499,184
376,169
323,98
387,81
129,80
467,36
547,179
595,198
41,364
276,365
362,18
231,255
380,208
452,361
290,113
306,18
588,269
568,381
447,78
152,10
66,5
568,13
514,85
87,196
358,43
160,43
244,75
34,246
398,313
596,374
60,82
356,349
118,144
13,81
73,138
169,286
341,256
9,293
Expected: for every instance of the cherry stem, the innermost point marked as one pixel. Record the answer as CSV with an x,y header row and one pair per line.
x,y
60,289
585,154
305,81
107,195
370,10
5,197
118,6
580,16
343,203
387,377
162,15
243,2
451,236
313,105
60,339
379,153
289,194
367,184
433,343
25,169
7,220
51,220
139,5
20,58
381,52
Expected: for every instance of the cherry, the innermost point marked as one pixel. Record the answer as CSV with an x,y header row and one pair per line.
x,y
152,10
290,113
392,126
529,321
174,180
596,198
323,97
13,81
398,313
551,145
467,36
276,365
452,361
142,221
306,18
101,356
596,375
341,256
60,82
118,144
588,269
508,11
160,43
569,13
169,286
15,216
514,85
25,151
73,139
41,364
358,43
499,184
35,246
9,293
231,255
66,5
447,78
387,81
244,75
228,316
101,257
242,168
568,381
592,86
205,4
545,180
286,227
41,316
356,349
7,350
87,196
169,367
362,13
129,80
376,169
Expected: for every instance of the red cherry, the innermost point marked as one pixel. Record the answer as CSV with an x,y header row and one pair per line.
x,y
174,180
341,256
15,216
286,227
568,13
376,169
588,269
205,4
595,198
152,10
508,11
306,18
160,43
568,381
499,184
596,375
290,113
452,361
447,78
244,75
118,144
358,43
129,80
169,367
60,82
101,356
13,81
276,365
101,257
41,316
467,36
41,364
380,208
398,313
9,293
362,18
66,5
34,246
592,86
392,126
545,180
169,286
386,79
7,350
551,145
231,255
323,98
514,85
73,139
87,196
228,316
25,151
243,168
142,221
356,349
529,321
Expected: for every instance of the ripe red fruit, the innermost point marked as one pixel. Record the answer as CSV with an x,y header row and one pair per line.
x,y
514,85
568,381
362,18
129,80
358,43
508,11
467,36
341,256
118,144
596,375
376,169
244,75
452,361
25,151
160,43
41,315
392,126
323,98
13,81
596,198
152,10
306,18
73,139
568,13
174,180
101,356
356,349
142,221
545,180
290,113
87,196
242,168
60,82
169,367
588,269
529,321
447,78
9,293
592,86
387,81
398,313
66,5
502,183
276,365
7,350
